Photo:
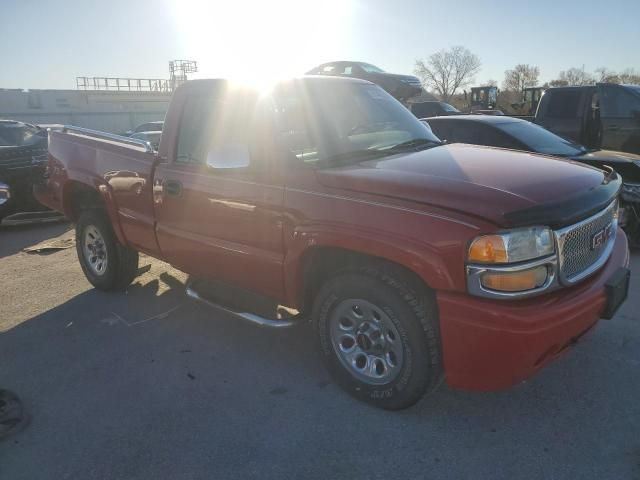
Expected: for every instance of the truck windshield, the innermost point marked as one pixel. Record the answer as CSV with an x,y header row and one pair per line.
x,y
540,140
335,122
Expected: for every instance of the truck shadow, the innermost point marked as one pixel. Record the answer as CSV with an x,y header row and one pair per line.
x,y
14,238
138,361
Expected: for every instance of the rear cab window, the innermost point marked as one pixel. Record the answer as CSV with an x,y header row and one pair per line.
x,y
617,102
564,104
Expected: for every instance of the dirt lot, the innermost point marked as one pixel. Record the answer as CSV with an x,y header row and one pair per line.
x,y
148,384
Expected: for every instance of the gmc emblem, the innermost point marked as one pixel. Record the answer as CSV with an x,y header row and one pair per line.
x,y
599,238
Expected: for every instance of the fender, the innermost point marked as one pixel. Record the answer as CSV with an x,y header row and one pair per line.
x,y
421,258
104,191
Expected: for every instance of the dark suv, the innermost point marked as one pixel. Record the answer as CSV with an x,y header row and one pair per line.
x,y
402,87
23,158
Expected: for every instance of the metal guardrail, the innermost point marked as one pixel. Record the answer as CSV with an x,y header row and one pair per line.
x,y
109,136
157,85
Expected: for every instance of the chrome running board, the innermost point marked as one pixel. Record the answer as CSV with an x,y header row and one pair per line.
x,y
251,317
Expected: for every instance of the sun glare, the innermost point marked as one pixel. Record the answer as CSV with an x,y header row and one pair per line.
x,y
258,42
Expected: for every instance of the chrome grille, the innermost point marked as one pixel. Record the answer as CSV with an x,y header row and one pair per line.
x,y
580,255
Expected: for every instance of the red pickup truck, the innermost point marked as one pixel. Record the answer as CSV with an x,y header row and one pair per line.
x,y
415,261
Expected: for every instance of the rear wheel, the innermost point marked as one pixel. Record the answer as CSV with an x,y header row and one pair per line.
x,y
107,264
378,338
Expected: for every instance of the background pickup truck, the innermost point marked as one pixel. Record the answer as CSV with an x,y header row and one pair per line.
x,y
414,261
604,116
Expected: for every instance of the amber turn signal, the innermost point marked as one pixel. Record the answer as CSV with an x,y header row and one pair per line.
x,y
515,281
488,249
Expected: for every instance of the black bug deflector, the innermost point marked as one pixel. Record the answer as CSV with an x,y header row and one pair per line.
x,y
571,210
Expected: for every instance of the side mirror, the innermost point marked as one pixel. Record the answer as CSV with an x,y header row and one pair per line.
x,y
228,156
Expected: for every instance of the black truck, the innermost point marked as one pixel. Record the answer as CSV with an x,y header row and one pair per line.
x,y
23,160
602,116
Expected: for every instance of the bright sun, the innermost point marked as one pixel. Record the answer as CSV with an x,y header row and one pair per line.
x,y
260,41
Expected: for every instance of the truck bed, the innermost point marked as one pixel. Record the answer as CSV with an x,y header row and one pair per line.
x,y
122,170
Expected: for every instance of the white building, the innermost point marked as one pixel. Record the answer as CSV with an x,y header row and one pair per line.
x,y
109,111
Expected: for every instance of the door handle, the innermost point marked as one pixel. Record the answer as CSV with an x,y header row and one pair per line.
x,y
613,127
172,187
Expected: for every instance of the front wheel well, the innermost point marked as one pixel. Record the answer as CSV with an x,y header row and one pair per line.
x,y
322,263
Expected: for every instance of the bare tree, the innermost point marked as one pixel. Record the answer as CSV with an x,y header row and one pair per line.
x,y
557,83
574,76
523,75
489,83
629,76
448,70
603,74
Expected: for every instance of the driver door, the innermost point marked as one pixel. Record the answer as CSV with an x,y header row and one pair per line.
x,y
219,203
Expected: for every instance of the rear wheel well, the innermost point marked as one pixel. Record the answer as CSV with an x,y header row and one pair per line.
x,y
79,197
323,263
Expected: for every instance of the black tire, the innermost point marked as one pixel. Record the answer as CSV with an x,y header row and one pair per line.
x,y
413,314
121,264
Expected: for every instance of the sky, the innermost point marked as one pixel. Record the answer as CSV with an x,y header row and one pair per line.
x,y
47,44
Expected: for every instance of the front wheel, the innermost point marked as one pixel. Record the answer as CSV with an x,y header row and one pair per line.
x,y
378,338
107,264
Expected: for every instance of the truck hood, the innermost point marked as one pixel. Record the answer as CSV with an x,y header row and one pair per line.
x,y
489,183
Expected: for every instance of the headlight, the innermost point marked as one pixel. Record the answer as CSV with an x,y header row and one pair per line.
x,y
5,193
511,247
512,264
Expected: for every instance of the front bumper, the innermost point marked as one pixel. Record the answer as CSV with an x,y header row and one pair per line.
x,y
16,189
490,345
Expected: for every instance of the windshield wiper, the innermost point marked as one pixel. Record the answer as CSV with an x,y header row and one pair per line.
x,y
414,144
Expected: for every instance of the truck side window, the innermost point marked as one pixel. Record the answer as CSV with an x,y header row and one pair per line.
x,y
195,117
219,127
564,104
292,125
618,103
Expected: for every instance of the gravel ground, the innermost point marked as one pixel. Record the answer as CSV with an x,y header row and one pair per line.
x,y
148,384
